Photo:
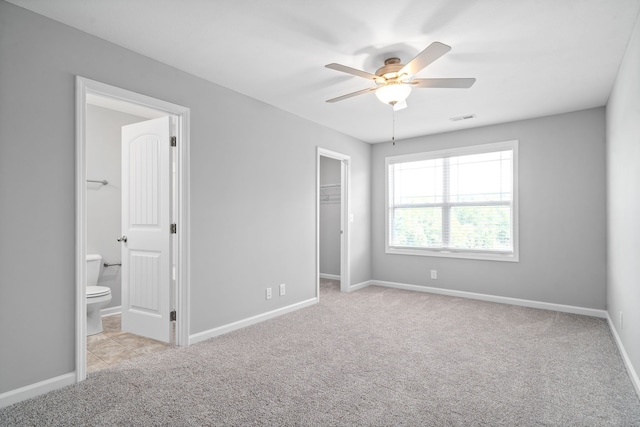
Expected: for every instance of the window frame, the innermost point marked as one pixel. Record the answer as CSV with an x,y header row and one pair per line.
x,y
450,252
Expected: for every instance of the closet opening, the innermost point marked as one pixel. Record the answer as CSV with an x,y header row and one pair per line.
x,y
333,218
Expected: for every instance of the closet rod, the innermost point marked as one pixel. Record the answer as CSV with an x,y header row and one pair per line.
x,y
103,182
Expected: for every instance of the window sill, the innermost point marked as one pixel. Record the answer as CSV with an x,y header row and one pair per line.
x,y
485,256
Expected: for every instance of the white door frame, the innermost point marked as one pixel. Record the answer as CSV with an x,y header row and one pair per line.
x,y
85,87
345,217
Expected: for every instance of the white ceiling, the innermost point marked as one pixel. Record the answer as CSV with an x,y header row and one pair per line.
x,y
530,57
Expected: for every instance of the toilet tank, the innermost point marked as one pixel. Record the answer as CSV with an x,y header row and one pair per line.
x,y
93,269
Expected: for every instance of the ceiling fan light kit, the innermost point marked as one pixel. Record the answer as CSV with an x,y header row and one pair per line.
x,y
395,80
393,94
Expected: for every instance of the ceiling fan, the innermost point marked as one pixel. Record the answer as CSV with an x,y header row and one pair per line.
x,y
394,80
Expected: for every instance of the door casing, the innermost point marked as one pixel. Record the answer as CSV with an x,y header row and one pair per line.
x,y
84,88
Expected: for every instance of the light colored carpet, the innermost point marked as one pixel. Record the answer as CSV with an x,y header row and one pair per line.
x,y
373,357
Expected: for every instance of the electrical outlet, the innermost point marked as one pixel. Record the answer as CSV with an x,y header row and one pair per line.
x,y
434,274
621,323
268,293
282,289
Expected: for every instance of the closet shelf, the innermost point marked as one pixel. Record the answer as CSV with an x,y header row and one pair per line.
x,y
330,194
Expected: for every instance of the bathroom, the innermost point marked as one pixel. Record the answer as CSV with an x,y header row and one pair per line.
x,y
104,121
104,201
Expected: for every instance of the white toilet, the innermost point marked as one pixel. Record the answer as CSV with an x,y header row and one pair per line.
x,y
97,296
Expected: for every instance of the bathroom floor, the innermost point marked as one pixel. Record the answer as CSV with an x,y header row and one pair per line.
x,y
113,346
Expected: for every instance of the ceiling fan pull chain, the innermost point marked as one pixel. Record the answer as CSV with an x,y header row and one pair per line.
x,y
393,131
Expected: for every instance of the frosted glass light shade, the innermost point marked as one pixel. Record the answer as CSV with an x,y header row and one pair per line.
x,y
393,93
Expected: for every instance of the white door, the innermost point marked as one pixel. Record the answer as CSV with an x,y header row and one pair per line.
x,y
146,228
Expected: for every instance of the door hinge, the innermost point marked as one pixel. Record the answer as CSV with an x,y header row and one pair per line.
x,y
172,316
174,141
174,228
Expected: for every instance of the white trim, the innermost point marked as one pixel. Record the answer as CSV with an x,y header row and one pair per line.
x,y
593,312
453,152
329,276
81,232
482,256
182,304
633,375
36,389
345,217
84,88
221,330
110,311
360,285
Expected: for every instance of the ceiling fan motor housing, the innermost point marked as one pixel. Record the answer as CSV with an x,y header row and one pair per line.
x,y
389,71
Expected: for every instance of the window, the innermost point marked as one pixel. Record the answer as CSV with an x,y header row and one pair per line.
x,y
459,203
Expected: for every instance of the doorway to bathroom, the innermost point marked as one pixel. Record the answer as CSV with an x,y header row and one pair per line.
x,y
132,208
333,218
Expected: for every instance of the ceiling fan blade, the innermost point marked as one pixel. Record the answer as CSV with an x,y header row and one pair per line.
x,y
443,83
432,52
349,95
352,71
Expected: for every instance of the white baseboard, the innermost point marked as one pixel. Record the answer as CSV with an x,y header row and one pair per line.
x,y
221,330
359,286
110,311
633,375
33,390
493,298
329,276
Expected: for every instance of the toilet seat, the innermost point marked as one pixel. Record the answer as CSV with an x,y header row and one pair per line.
x,y
97,291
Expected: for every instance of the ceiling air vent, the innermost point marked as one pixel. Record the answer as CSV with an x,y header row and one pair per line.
x,y
467,117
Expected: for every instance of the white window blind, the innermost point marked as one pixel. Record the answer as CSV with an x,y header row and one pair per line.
x,y
456,201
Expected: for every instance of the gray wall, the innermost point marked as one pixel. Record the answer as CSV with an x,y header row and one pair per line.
x,y
253,225
103,157
623,201
330,174
562,214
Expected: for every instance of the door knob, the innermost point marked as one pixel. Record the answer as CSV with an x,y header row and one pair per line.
x,y
122,239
